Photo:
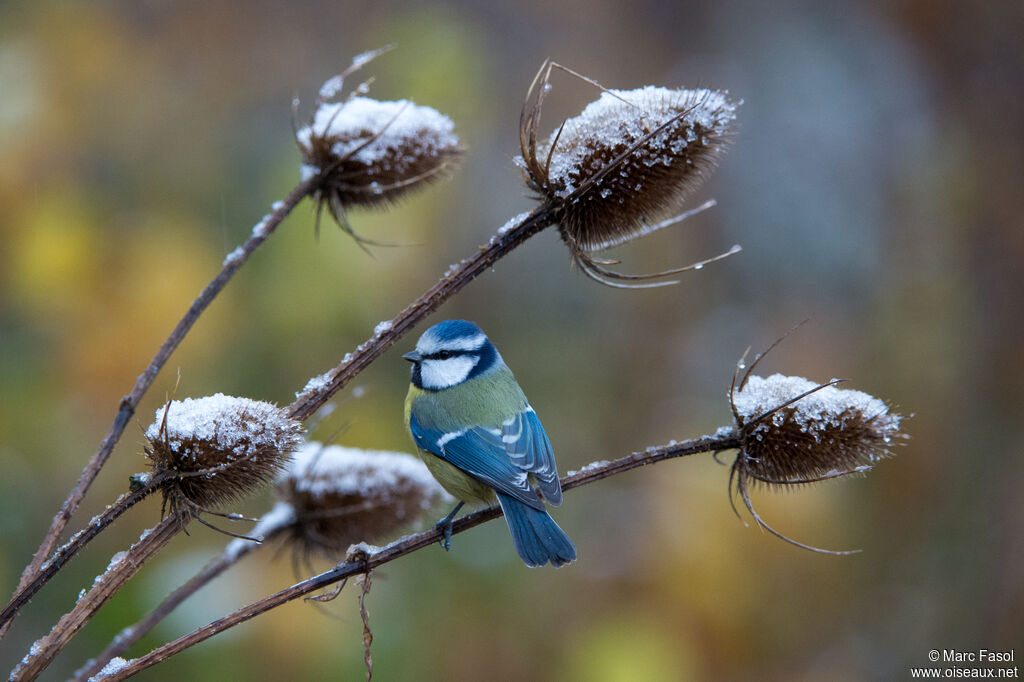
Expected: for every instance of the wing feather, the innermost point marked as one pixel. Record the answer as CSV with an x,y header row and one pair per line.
x,y
480,453
530,450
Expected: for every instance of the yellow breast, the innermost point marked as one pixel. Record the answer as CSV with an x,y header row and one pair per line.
x,y
458,483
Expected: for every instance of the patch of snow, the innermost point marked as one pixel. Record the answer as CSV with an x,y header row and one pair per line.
x,y
825,408
234,257
239,425
590,467
280,516
369,130
513,223
320,470
115,665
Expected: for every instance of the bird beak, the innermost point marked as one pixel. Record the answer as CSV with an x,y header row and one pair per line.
x,y
413,356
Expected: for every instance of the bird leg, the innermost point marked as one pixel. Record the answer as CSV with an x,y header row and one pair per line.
x,y
445,525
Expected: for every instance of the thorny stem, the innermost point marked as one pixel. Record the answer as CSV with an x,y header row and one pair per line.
x,y
106,586
364,563
145,380
66,552
133,633
309,402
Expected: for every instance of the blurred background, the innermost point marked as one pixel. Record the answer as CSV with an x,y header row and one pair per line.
x,y
874,183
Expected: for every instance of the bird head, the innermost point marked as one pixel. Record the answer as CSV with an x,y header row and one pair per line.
x,y
450,353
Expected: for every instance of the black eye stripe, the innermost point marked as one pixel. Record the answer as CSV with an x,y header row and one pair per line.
x,y
446,354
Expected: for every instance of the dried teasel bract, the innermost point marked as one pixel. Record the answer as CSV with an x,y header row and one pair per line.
x,y
627,161
367,152
341,496
794,431
212,450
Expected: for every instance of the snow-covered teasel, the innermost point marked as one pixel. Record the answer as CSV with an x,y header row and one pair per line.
x,y
342,495
793,431
797,431
367,152
625,163
212,450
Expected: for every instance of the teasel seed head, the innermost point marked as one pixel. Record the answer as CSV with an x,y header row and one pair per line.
x,y
367,152
794,431
341,496
627,161
209,451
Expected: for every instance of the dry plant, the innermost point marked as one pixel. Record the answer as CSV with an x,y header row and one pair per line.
x,y
620,170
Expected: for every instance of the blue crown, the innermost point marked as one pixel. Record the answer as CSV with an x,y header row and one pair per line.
x,y
450,330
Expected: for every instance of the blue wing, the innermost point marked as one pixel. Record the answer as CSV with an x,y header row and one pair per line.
x,y
481,453
530,450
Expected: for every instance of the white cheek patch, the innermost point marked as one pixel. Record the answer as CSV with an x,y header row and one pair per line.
x,y
438,374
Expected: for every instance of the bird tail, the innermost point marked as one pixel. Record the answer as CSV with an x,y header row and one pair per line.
x,y
537,537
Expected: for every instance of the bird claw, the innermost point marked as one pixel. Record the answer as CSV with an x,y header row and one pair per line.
x,y
445,526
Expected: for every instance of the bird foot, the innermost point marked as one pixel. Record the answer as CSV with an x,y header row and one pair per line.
x,y
445,526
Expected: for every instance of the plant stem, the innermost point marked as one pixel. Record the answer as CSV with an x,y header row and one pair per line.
x,y
367,562
308,402
133,633
67,551
145,380
105,586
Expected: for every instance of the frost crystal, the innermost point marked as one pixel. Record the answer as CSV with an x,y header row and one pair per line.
x,y
314,385
331,87
115,665
513,223
234,257
590,467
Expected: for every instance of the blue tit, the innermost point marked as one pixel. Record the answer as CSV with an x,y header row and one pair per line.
x,y
480,438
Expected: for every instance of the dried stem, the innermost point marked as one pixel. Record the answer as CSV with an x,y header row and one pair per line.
x,y
364,563
66,552
367,633
145,380
106,586
310,401
133,633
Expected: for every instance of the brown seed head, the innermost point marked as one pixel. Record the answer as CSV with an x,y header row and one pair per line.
x,y
367,152
827,432
628,160
794,431
341,496
212,450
